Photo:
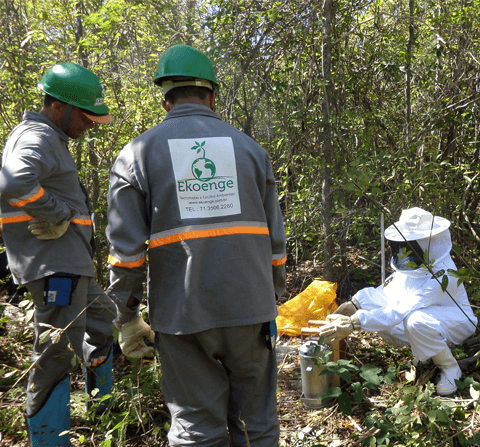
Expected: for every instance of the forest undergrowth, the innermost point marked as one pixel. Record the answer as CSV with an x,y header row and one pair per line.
x,y
381,399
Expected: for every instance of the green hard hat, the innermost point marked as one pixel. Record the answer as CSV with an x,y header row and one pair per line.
x,y
183,61
74,84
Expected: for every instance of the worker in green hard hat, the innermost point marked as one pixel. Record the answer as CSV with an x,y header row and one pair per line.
x,y
48,234
183,66
73,99
203,195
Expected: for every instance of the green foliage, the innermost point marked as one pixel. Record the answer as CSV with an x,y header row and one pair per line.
x,y
135,408
412,415
419,418
268,58
12,418
136,394
345,369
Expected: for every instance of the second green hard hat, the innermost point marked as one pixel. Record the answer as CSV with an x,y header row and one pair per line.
x,y
183,61
74,84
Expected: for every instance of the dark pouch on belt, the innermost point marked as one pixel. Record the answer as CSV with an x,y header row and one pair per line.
x,y
269,332
59,288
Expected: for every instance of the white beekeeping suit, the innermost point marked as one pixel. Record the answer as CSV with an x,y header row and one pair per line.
x,y
411,307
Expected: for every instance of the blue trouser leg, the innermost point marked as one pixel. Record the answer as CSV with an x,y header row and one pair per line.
x,y
99,378
46,425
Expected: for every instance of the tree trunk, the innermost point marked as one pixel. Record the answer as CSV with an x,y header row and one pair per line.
x,y
408,90
94,187
326,141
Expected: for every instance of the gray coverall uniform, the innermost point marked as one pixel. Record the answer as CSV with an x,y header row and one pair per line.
x,y
39,179
199,196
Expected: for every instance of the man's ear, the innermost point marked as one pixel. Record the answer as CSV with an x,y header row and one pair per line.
x,y
211,100
54,112
166,105
58,107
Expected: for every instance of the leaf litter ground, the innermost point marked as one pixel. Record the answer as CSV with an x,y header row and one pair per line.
x,y
299,425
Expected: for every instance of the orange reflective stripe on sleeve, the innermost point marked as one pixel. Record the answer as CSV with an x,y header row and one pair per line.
x,y
26,217
15,219
117,263
277,262
82,221
198,234
35,197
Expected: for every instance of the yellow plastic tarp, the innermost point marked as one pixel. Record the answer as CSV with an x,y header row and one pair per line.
x,y
314,303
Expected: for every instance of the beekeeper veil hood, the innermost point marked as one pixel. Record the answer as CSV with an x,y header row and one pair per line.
x,y
417,226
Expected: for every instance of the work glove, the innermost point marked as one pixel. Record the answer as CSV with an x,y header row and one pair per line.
x,y
45,230
131,335
348,308
340,326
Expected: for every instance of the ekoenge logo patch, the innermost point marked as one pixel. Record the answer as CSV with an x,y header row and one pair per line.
x,y
206,177
203,169
204,173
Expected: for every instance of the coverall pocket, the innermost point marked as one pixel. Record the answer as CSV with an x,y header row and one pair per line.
x,y
59,288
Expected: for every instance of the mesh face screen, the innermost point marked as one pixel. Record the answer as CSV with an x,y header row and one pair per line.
x,y
413,254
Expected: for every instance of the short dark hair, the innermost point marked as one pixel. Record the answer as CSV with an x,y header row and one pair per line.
x,y
49,100
177,93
